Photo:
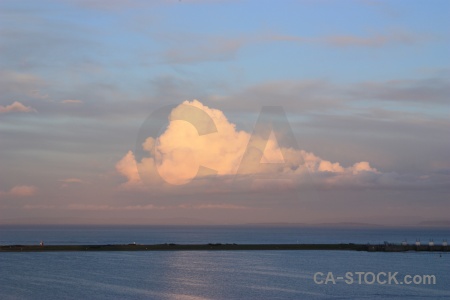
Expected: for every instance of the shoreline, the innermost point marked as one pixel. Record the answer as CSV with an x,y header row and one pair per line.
x,y
222,247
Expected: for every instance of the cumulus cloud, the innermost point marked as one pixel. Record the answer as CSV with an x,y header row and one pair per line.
x,y
180,154
16,107
21,191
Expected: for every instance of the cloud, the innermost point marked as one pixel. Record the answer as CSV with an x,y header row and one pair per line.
x,y
21,84
220,206
127,167
204,49
21,191
425,91
70,101
106,207
323,96
16,107
180,154
347,40
39,206
71,180
189,48
111,5
377,40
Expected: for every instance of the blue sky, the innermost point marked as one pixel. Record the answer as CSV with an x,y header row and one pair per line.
x,y
360,81
259,37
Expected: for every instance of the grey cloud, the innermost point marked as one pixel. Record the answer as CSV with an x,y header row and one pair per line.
x,y
110,5
44,46
308,96
190,49
300,96
18,85
426,91
374,41
392,144
343,40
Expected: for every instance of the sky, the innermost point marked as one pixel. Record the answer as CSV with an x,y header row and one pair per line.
x,y
224,112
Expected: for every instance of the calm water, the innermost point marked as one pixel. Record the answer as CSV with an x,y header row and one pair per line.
x,y
213,275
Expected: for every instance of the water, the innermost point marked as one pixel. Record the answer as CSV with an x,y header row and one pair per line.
x,y
214,275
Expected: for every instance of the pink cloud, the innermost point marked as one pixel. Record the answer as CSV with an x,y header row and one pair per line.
x,y
38,206
21,191
16,107
127,167
106,207
214,206
71,180
175,156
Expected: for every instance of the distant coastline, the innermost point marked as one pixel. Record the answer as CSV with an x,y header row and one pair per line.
x,y
223,247
175,223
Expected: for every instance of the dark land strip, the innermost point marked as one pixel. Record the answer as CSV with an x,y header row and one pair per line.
x,y
223,247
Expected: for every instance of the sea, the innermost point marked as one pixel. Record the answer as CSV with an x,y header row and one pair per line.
x,y
222,274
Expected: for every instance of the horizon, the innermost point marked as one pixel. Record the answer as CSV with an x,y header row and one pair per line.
x,y
197,222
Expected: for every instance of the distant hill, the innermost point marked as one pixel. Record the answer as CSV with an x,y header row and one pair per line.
x,y
444,223
340,224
